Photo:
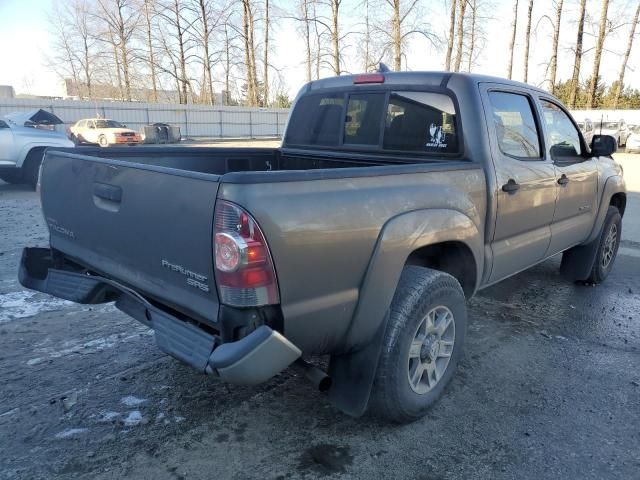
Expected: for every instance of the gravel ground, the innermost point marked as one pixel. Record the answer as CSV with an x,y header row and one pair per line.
x,y
549,388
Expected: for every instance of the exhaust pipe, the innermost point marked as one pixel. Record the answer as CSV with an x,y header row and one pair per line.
x,y
315,375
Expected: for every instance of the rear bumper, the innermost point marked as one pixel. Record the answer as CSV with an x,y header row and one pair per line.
x,y
252,359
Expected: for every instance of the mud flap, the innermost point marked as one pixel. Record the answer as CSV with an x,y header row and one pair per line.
x,y
353,374
577,262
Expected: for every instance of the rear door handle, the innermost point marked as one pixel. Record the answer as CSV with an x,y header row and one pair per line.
x,y
563,180
511,186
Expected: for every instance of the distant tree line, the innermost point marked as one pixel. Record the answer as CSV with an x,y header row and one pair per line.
x,y
207,51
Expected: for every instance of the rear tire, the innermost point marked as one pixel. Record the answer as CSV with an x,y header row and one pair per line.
x,y
608,247
422,346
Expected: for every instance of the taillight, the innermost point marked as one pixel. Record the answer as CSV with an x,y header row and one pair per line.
x,y
244,270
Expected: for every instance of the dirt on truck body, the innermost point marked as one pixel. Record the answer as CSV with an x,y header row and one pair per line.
x,y
393,199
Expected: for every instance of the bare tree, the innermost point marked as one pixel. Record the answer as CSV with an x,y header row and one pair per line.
x,y
460,35
265,74
452,29
527,39
554,49
575,77
335,34
595,73
472,42
64,59
151,60
306,29
248,33
122,20
209,18
514,27
632,32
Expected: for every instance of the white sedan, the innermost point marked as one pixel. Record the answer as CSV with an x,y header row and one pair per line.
x,y
24,136
633,140
104,132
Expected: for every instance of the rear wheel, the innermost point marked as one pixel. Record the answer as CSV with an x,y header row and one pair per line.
x,y
422,346
608,247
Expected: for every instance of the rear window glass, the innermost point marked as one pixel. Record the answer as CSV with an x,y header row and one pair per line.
x,y
316,120
420,122
401,121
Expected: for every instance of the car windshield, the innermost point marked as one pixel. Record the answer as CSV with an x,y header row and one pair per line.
x,y
608,125
108,124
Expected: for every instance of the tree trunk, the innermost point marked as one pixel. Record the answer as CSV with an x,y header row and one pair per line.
x,y
116,57
626,58
318,40
249,54
265,81
554,49
593,85
452,29
472,45
152,62
527,38
514,27
575,78
460,38
124,55
397,36
335,35
207,80
307,36
181,52
227,65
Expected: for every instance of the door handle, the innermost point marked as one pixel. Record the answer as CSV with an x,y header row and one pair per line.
x,y
511,186
111,193
563,180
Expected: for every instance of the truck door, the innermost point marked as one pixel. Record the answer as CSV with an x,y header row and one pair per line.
x,y
577,177
525,179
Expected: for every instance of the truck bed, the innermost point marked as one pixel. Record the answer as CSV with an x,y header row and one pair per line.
x,y
219,161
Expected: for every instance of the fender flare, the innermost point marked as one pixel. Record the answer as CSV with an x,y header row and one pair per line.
x,y
614,184
353,373
24,152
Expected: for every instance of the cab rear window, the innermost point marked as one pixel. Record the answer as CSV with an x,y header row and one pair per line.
x,y
401,121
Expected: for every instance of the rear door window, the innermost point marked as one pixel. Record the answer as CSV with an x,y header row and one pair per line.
x,y
516,129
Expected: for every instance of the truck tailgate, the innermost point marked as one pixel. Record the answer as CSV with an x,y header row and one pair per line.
x,y
145,226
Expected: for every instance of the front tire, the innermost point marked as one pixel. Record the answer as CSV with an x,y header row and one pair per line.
x,y
610,236
102,141
422,346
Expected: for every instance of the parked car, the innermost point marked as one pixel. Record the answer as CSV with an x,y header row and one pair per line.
x,y
617,130
393,198
586,127
104,132
23,141
633,140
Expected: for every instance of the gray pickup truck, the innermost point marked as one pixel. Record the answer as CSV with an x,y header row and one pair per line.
x,y
393,198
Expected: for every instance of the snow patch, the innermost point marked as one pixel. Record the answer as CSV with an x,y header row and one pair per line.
x,y
133,419
24,304
71,432
108,416
131,401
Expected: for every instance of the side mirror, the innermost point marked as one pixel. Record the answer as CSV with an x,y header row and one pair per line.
x,y
603,145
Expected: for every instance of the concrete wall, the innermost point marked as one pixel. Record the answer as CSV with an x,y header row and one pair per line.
x,y
193,120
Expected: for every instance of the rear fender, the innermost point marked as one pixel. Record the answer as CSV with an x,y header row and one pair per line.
x,y
353,373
